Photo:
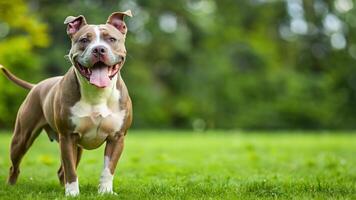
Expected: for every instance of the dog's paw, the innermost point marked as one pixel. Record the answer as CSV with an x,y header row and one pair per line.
x,y
106,188
72,189
106,180
72,193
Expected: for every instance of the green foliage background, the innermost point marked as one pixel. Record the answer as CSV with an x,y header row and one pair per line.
x,y
203,63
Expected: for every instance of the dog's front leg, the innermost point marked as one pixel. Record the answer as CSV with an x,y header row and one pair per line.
x,y
69,156
113,150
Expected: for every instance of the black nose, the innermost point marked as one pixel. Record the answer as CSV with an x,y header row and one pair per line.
x,y
99,50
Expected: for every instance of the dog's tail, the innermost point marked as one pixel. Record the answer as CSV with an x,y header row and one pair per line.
x,y
16,80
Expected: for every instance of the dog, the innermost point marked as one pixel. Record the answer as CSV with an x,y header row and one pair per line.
x,y
86,107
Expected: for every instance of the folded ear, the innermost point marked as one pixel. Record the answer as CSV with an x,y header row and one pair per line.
x,y
117,20
74,24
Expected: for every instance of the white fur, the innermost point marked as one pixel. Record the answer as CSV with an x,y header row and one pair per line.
x,y
72,189
106,161
97,34
100,42
85,57
99,105
106,179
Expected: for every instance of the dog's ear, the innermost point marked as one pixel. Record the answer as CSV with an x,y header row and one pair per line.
x,y
74,24
117,20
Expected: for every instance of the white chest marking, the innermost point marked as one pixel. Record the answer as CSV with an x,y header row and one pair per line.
x,y
97,114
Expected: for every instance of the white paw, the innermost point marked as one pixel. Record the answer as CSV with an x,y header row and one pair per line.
x,y
72,189
106,179
106,188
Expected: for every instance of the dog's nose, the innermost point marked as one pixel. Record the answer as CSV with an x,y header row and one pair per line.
x,y
99,50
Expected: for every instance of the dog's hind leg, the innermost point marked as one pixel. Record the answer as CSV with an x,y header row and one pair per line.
x,y
21,141
60,174
29,124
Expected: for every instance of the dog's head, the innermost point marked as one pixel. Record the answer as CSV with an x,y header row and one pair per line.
x,y
98,51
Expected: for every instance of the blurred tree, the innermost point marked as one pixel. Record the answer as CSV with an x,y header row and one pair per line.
x,y
21,33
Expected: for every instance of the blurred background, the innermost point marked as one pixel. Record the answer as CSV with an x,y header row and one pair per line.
x,y
203,64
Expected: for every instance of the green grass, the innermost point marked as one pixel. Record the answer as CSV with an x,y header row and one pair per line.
x,y
214,165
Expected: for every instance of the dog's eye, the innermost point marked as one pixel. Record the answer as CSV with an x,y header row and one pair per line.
x,y
84,40
112,39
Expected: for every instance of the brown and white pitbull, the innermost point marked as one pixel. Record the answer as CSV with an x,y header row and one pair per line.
x,y
86,107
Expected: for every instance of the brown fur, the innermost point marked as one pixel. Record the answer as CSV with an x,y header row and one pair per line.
x,y
47,107
13,78
31,119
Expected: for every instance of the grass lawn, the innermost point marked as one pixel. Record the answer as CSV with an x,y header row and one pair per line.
x,y
186,165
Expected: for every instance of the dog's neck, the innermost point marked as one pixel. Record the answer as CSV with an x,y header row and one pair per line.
x,y
94,95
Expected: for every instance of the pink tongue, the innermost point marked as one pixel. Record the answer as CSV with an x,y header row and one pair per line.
x,y
100,77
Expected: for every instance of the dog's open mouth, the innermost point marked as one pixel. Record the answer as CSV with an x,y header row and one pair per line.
x,y
99,74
